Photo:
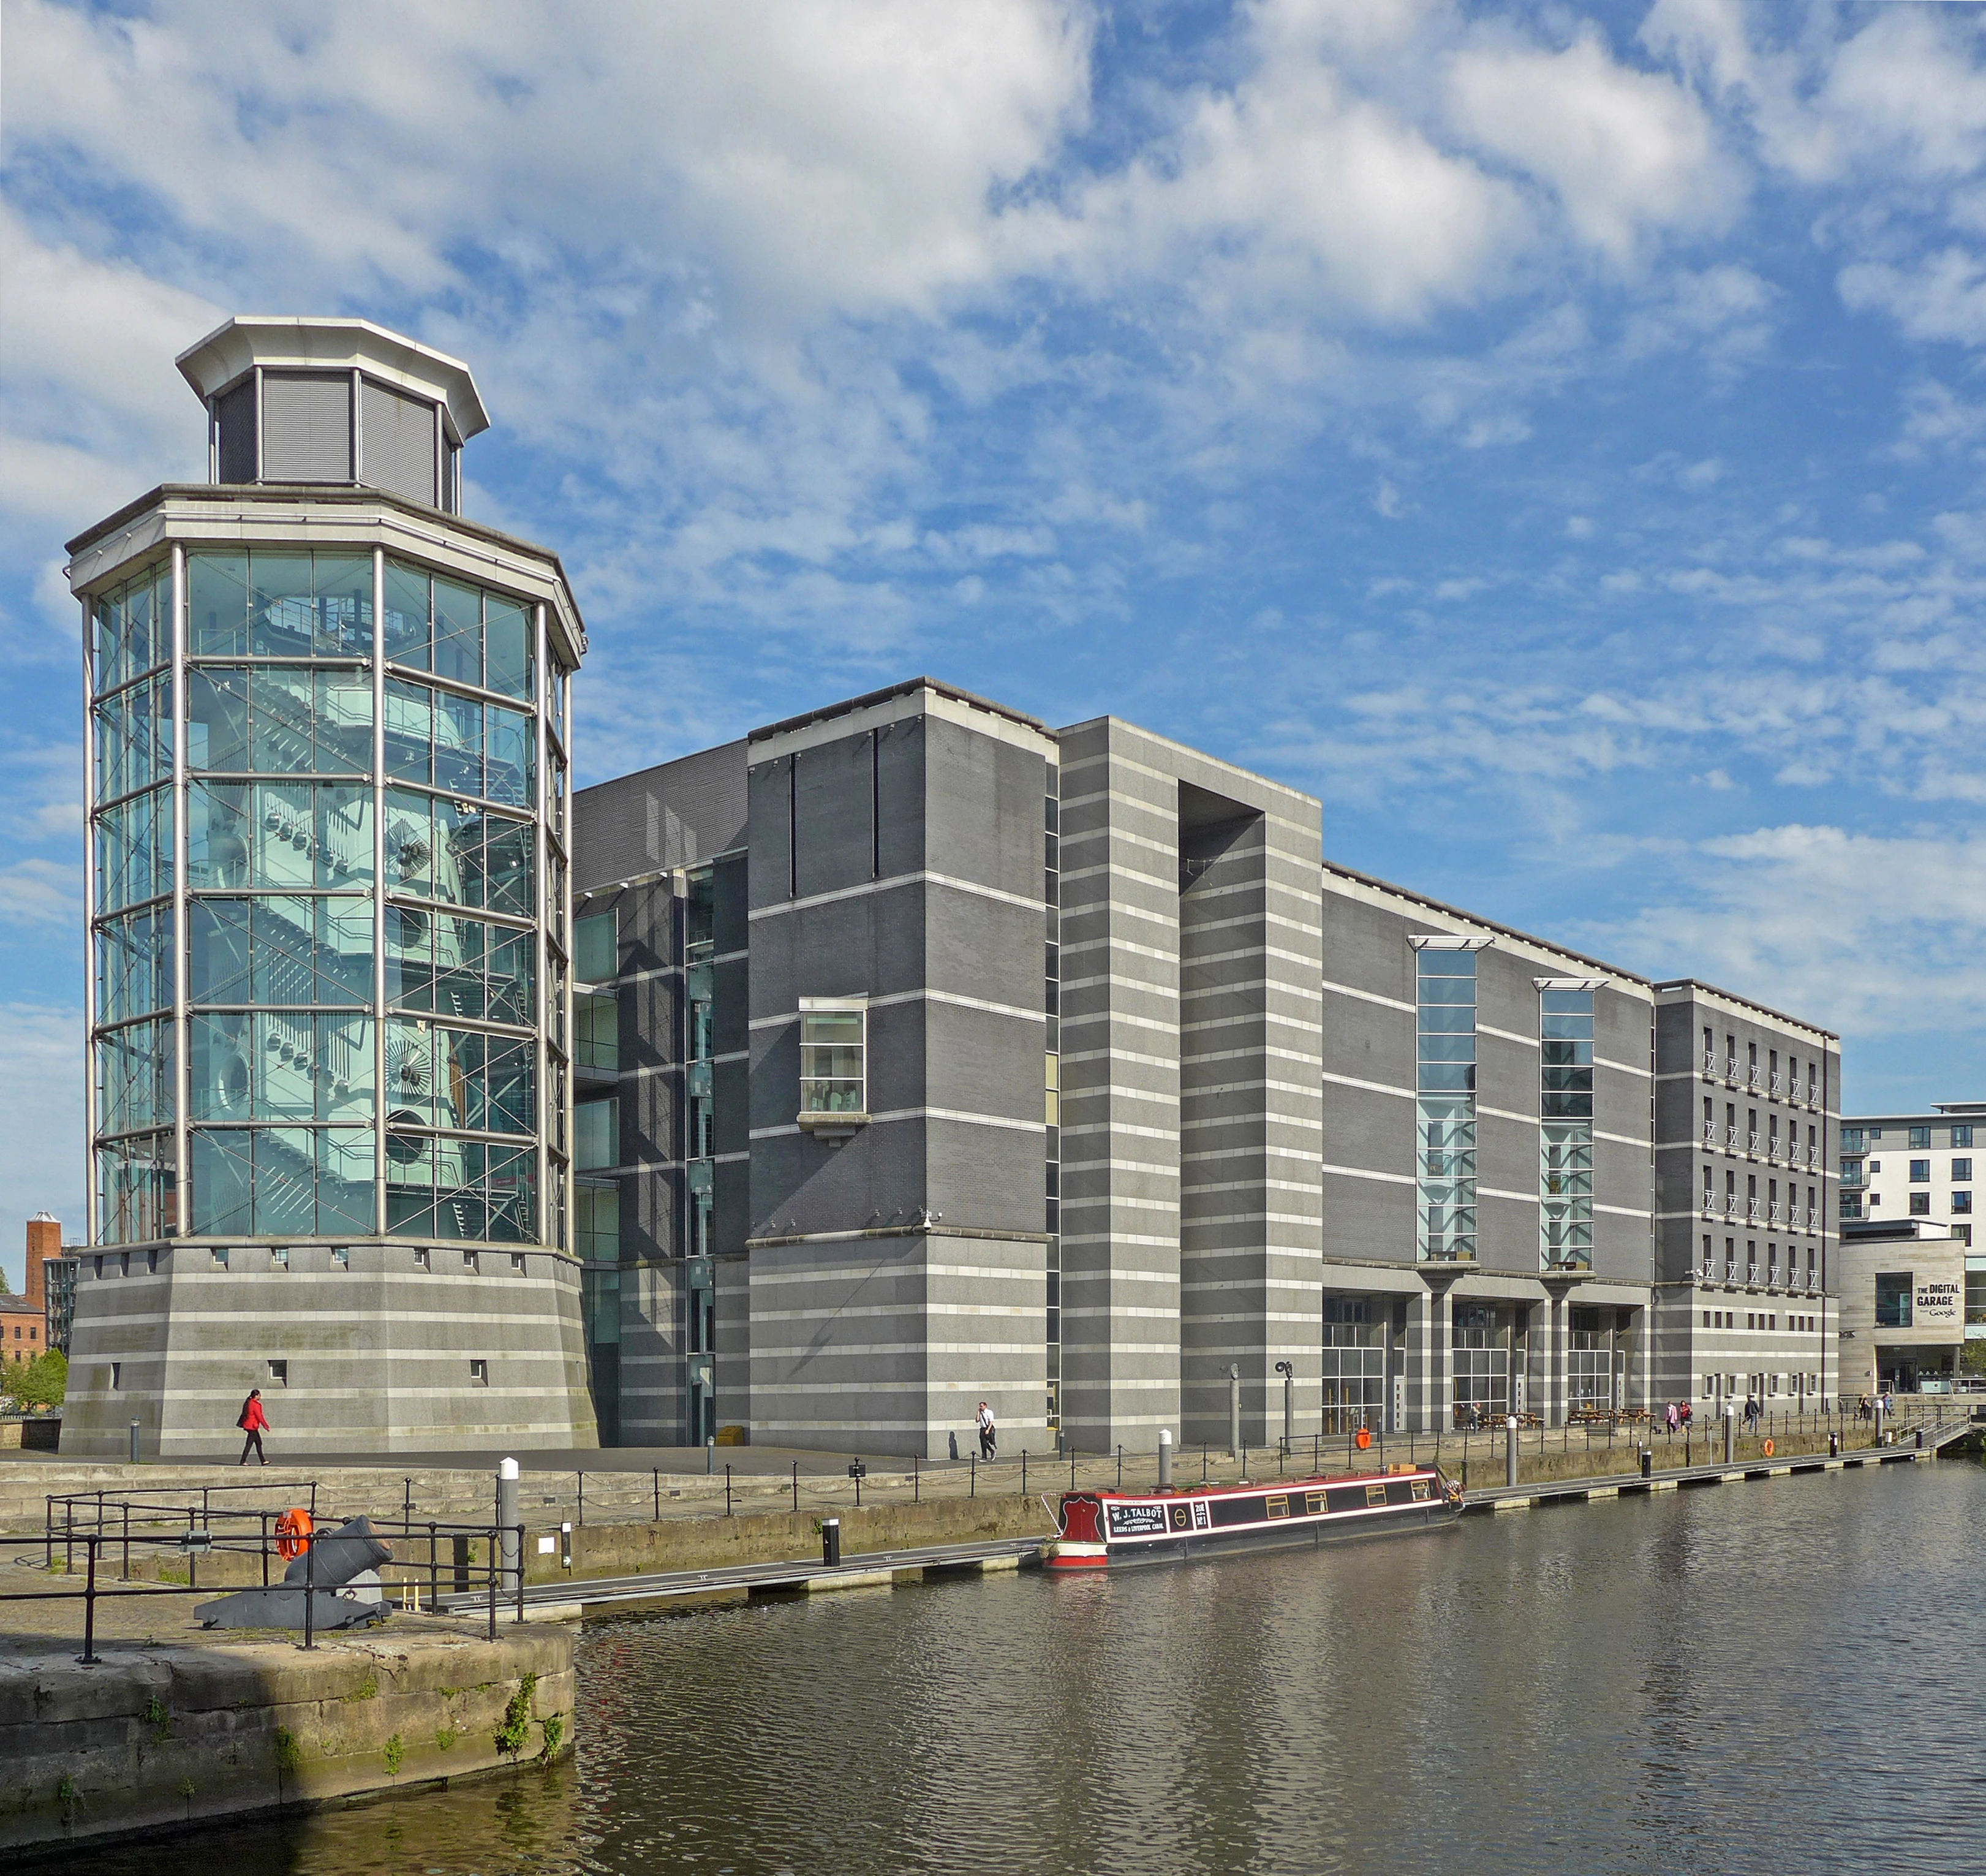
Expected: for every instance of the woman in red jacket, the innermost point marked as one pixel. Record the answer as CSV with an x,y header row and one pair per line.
x,y
253,1422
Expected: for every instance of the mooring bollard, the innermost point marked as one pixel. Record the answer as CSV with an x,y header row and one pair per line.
x,y
1510,1450
1165,1459
506,1519
1730,1435
1833,1444
830,1542
1648,1462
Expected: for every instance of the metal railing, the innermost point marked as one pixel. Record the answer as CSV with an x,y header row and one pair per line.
x,y
185,1521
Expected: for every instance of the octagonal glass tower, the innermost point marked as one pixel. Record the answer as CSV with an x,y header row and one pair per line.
x,y
329,774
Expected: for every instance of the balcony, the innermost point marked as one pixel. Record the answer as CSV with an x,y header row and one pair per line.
x,y
1710,1062
1753,1215
1730,1272
1733,1139
1779,1086
1711,1209
1755,1080
1773,1212
1750,1276
1712,1136
1731,1074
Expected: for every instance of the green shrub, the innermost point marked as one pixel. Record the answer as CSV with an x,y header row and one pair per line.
x,y
553,1729
288,1750
515,1727
40,1382
396,1756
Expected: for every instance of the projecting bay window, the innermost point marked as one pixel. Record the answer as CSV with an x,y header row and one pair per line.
x,y
833,1060
1565,1131
1445,1115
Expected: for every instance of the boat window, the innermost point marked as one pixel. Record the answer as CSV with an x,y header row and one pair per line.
x,y
1376,1495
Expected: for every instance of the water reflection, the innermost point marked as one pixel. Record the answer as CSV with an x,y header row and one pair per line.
x,y
1779,1677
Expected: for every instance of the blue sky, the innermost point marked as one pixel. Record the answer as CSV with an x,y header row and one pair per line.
x,y
1551,435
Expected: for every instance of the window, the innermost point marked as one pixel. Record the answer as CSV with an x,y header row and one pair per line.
x,y
1854,1139
1921,1172
1920,1204
279,1373
421,1259
1961,1171
596,947
117,1376
596,1022
1962,1137
833,1038
340,1258
597,1237
1893,1299
218,1256
597,1134
517,1262
1445,1113
1961,1201
1356,1331
279,1257
1919,1139
471,1263
1851,1172
1565,1140
478,1373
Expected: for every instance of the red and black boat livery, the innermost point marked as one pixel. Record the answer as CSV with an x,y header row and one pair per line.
x,y
1106,1529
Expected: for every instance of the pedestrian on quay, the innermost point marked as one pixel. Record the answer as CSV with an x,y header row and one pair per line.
x,y
1674,1417
254,1422
989,1433
1684,1412
1862,1407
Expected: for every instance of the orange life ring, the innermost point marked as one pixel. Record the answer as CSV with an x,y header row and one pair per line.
x,y
1364,1439
293,1528
1768,1449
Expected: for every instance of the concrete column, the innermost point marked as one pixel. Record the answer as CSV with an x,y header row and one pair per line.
x,y
1430,1366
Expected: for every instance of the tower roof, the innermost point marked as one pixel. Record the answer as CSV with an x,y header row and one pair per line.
x,y
285,343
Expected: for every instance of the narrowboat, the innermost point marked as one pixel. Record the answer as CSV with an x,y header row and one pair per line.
x,y
1107,1529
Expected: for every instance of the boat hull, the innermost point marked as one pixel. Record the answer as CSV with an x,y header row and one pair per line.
x,y
1117,1531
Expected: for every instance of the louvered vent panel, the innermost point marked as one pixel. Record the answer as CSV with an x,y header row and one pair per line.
x,y
306,427
398,440
237,432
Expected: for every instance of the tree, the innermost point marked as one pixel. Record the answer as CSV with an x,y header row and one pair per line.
x,y
1973,1361
40,1382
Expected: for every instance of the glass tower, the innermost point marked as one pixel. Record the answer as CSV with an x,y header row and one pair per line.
x,y
329,988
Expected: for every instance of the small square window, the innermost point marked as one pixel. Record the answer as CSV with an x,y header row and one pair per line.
x,y
470,1262
279,1257
1961,1172
279,1373
517,1260
479,1374
1961,1201
421,1259
219,1254
1920,1204
152,1260
1921,1172
1919,1139
340,1258
1962,1137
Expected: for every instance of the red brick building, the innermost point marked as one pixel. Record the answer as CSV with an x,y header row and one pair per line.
x,y
24,1319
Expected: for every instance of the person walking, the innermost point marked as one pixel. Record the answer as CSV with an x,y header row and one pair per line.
x,y
254,1422
989,1433
1674,1418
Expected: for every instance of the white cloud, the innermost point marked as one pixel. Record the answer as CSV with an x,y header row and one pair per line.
x,y
41,1122
1627,153
1941,296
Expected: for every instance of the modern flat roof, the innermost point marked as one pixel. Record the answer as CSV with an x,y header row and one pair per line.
x,y
1731,996
829,711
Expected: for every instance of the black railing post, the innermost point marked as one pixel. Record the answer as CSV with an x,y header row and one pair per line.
x,y
727,1491
917,1484
582,1520
434,1566
1023,1472
265,1550
520,1573
310,1586
89,1656
796,1488
1120,1465
972,1475
127,1544
658,1481
494,1530
49,1531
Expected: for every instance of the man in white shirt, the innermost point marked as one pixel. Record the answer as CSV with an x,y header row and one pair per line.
x,y
988,1433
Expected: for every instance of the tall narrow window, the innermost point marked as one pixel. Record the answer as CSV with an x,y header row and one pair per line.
x,y
792,827
834,1039
1565,1128
875,804
1445,1114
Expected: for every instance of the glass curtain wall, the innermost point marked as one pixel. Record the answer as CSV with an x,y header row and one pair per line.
x,y
1565,1131
1446,1105
1589,1360
339,1019
1356,1331
1482,1351
134,941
